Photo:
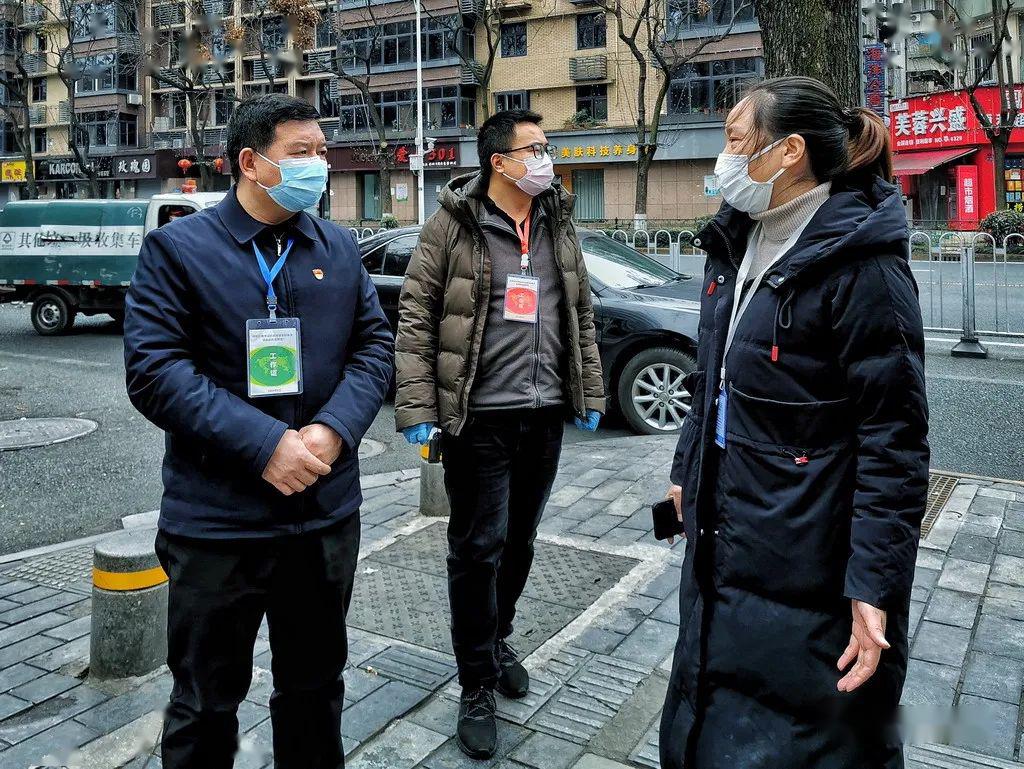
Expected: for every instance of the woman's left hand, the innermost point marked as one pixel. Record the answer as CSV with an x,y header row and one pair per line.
x,y
867,640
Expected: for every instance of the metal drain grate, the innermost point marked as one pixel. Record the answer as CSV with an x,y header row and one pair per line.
x,y
940,488
69,569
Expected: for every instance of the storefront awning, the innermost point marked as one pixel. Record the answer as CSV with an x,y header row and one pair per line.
x,y
914,163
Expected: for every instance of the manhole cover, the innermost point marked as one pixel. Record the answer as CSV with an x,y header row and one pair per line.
x,y
940,488
33,433
402,591
370,448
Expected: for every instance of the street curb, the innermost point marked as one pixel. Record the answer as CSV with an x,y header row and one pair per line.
x,y
972,477
367,482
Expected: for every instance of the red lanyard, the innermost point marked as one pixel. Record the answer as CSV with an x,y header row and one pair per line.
x,y
524,244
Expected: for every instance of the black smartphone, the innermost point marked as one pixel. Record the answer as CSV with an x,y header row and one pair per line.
x,y
665,522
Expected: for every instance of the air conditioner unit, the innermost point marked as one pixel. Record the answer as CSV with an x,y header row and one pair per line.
x,y
915,18
161,124
178,144
135,99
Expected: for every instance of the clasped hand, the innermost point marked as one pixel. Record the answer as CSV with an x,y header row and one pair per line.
x,y
301,457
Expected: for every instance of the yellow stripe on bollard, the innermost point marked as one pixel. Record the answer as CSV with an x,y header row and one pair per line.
x,y
133,580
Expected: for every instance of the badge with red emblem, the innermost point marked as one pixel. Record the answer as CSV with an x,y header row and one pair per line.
x,y
522,293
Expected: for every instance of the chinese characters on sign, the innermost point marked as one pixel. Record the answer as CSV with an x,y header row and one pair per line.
x,y
874,77
594,151
443,156
966,197
134,166
14,170
945,119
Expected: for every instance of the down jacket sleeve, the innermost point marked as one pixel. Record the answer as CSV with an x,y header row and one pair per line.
x,y
419,317
163,381
877,328
593,379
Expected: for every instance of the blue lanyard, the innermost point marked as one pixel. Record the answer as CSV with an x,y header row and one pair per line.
x,y
270,273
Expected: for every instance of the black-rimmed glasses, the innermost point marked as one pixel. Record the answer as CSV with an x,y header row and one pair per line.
x,y
539,150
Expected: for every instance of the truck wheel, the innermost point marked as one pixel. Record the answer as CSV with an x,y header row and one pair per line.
x,y
650,391
52,315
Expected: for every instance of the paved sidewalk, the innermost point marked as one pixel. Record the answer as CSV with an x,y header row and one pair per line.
x,y
598,620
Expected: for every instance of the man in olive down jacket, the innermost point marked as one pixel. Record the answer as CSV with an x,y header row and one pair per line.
x,y
495,346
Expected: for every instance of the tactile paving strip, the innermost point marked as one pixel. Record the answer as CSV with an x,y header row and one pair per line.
x,y
69,569
563,575
402,591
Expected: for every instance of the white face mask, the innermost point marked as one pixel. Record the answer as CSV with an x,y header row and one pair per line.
x,y
540,172
739,190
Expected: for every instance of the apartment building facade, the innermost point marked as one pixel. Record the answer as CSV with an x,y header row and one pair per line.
x,y
562,58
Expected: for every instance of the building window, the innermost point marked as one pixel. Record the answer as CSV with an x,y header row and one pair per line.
x,y
105,72
326,102
40,43
591,31
325,34
513,39
394,44
39,140
223,105
981,55
447,106
172,107
128,130
511,100
593,99
588,187
39,89
696,15
93,20
707,90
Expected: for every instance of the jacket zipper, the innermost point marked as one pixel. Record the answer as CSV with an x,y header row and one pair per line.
x,y
471,371
536,341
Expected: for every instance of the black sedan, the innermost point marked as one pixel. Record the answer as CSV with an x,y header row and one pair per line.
x,y
646,317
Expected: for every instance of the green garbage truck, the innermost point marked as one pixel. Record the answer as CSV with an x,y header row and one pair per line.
x,y
71,257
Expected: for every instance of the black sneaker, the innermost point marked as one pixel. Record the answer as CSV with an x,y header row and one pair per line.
x,y
513,680
477,732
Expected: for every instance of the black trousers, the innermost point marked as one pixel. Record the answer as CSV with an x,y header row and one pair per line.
x,y
498,474
219,593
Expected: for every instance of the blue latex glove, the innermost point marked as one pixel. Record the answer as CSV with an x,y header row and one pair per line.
x,y
418,433
590,423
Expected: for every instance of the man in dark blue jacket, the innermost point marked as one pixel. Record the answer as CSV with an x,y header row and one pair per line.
x,y
254,339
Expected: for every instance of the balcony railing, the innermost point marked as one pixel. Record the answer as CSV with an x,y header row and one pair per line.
x,y
35,63
263,71
37,114
584,68
219,8
33,13
316,62
168,15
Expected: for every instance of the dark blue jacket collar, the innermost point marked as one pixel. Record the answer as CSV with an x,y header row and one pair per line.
x,y
859,220
244,228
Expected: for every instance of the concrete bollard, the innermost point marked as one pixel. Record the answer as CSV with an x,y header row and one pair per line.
x,y
129,606
433,497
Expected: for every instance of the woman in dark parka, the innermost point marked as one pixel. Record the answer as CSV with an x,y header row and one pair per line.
x,y
801,473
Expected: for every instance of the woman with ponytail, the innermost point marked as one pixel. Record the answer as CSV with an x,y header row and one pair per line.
x,y
801,473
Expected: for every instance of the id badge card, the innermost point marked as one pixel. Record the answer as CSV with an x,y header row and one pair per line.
x,y
273,357
522,297
721,417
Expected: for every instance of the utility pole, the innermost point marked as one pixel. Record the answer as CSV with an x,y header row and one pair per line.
x,y
416,161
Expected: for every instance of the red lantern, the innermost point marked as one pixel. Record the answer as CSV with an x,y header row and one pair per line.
x,y
184,164
218,163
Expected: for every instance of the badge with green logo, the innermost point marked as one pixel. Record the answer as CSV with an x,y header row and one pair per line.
x,y
274,357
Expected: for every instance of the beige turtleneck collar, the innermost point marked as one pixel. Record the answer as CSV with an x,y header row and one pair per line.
x,y
779,223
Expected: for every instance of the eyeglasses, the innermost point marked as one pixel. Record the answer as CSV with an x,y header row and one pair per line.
x,y
539,150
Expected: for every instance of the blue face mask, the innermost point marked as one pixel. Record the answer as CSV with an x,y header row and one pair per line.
x,y
302,182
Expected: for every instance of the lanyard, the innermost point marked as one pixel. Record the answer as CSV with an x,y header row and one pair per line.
x,y
524,244
740,307
270,273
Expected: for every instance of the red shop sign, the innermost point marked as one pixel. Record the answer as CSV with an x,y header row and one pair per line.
x,y
945,119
